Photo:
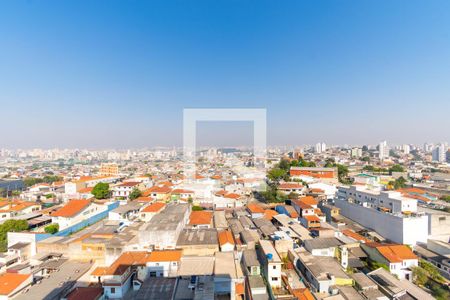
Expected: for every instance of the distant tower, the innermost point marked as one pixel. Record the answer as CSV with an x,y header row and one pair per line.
x,y
383,150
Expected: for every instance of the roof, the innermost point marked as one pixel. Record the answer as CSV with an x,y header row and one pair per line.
x,y
158,190
355,236
225,237
311,218
290,185
85,293
269,214
122,263
155,207
166,255
11,281
396,253
309,200
182,191
129,184
322,243
72,208
255,208
200,218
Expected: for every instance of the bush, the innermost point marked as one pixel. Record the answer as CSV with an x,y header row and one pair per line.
x,y
52,228
197,208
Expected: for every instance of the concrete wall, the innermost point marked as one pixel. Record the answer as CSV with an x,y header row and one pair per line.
x,y
397,229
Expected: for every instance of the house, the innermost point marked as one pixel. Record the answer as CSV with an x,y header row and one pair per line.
x,y
328,175
201,219
322,273
117,278
395,288
250,262
159,192
291,187
12,283
124,189
322,246
149,211
255,210
310,221
271,263
223,199
302,208
226,240
14,208
164,263
76,211
198,242
183,195
398,258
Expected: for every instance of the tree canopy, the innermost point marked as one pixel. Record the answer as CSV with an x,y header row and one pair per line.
x,y
10,226
101,190
135,193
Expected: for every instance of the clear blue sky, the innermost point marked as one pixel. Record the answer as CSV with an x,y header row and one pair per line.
x,y
119,73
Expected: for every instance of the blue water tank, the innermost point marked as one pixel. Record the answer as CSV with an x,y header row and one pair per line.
x,y
269,256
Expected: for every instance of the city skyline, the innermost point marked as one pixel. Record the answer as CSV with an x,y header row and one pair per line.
x,y
89,75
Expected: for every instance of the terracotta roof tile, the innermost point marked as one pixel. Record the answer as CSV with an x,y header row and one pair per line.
x,y
72,208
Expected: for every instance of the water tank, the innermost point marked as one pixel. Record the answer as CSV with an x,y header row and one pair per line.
x,y
269,256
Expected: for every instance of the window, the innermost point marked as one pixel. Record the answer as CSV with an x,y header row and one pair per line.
x,y
274,267
113,290
274,278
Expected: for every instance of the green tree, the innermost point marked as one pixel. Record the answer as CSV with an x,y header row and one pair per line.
x,y
197,208
52,228
396,168
10,226
276,174
101,190
135,193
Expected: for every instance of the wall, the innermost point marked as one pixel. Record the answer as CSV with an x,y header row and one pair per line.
x,y
397,229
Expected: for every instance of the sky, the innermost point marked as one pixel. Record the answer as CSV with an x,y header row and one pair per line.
x,y
101,74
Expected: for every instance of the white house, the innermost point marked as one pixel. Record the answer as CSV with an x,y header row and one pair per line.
x,y
76,211
399,258
271,263
164,263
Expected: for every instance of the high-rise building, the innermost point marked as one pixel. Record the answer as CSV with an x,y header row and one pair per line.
x,y
356,152
406,149
427,147
439,153
320,147
383,150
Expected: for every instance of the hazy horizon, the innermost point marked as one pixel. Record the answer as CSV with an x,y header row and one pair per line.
x,y
98,75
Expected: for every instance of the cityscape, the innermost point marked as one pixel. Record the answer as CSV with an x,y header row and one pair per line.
x,y
241,150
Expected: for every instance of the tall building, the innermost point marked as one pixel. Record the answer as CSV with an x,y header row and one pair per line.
x,y
320,147
383,150
406,149
427,147
356,152
439,153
